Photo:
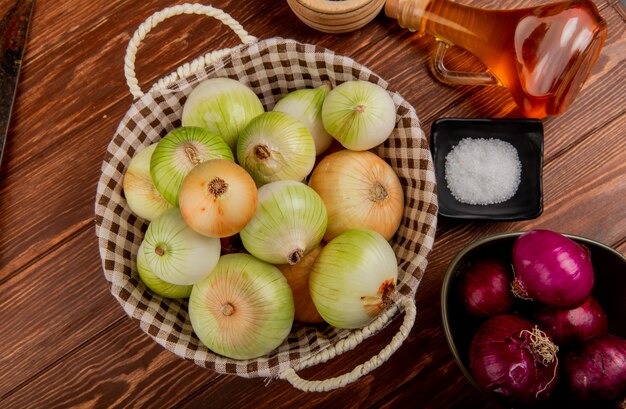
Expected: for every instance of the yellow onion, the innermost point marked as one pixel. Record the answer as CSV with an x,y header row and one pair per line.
x,y
359,190
243,309
297,276
217,198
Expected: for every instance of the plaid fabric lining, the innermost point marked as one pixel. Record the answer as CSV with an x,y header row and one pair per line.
x,y
271,68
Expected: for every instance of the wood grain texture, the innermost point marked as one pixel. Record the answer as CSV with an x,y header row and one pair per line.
x,y
65,341
51,283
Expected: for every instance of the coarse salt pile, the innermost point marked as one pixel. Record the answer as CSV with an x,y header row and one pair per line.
x,y
482,171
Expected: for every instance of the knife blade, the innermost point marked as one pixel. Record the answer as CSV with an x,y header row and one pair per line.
x,y
13,32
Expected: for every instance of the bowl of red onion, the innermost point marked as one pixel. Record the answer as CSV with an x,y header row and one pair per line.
x,y
538,319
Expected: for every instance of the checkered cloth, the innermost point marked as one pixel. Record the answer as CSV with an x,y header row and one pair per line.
x,y
271,68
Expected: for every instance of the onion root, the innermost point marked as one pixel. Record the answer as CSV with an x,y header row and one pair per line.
x,y
543,349
519,291
374,304
217,187
378,193
262,152
295,256
192,154
227,309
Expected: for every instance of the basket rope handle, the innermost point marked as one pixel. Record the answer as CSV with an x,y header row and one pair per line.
x,y
188,68
290,375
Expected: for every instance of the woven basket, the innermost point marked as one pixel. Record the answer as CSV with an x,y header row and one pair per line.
x,y
271,68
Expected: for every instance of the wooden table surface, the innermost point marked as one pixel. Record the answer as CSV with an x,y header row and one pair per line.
x,y
64,339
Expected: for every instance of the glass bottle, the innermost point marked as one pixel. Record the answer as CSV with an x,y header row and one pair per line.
x,y
542,54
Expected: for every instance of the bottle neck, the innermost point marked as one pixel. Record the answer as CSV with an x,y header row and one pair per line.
x,y
451,22
409,13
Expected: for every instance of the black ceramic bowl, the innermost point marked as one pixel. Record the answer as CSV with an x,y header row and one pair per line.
x,y
526,136
609,267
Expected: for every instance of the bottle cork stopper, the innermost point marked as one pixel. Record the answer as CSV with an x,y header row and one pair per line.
x,y
391,8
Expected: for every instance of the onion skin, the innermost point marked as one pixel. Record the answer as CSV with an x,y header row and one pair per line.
x,y
360,190
243,309
218,198
223,106
298,278
354,278
596,369
306,105
155,284
178,153
176,253
141,195
485,288
359,114
290,220
276,146
552,269
570,326
502,361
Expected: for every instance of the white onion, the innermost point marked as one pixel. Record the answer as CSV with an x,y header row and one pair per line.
x,y
141,195
359,114
353,278
306,105
177,254
276,146
223,106
290,220
218,198
244,309
155,284
359,189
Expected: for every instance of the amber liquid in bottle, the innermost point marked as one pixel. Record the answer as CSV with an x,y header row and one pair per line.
x,y
542,54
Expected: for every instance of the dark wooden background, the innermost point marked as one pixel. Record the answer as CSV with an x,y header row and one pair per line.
x,y
65,341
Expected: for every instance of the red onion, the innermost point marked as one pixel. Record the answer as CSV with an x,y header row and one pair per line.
x,y
569,326
596,369
552,269
511,357
485,288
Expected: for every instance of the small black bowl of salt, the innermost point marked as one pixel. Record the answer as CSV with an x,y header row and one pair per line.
x,y
488,169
